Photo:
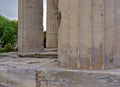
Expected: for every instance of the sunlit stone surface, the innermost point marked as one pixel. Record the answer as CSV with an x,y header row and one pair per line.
x,y
88,45
30,32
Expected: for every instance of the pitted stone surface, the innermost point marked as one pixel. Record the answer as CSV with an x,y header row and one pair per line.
x,y
47,53
30,16
20,72
79,78
45,72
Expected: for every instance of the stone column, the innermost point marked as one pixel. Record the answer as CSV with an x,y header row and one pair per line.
x,y
89,34
75,34
30,32
53,17
117,34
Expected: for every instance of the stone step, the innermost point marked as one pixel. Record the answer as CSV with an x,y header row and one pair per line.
x,y
38,54
21,72
50,49
47,53
43,72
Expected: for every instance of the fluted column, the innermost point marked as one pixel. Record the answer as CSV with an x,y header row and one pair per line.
x,y
117,34
98,22
89,34
30,32
52,24
75,34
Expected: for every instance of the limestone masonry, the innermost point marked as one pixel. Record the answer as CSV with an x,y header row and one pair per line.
x,y
83,45
18,71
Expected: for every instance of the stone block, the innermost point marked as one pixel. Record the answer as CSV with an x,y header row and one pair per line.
x,y
59,77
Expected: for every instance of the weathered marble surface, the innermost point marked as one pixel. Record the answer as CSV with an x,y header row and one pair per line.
x,y
20,72
47,53
30,26
78,78
53,21
35,72
89,34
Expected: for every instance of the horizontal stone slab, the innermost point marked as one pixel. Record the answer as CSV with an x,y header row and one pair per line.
x,y
39,55
20,72
58,77
45,54
45,72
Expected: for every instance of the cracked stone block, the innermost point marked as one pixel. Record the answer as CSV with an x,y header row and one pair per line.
x,y
78,78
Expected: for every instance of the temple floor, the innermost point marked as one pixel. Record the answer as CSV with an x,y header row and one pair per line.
x,y
25,71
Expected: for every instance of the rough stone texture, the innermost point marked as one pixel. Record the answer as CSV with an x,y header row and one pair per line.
x,y
109,34
63,39
78,78
53,19
117,34
88,38
47,53
34,72
74,48
30,32
89,34
39,55
97,34
20,72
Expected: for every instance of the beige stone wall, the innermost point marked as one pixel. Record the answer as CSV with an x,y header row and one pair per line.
x,y
30,32
89,34
52,24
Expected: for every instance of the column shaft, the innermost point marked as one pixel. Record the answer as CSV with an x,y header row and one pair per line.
x,y
109,35
117,33
30,33
89,34
52,24
97,33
